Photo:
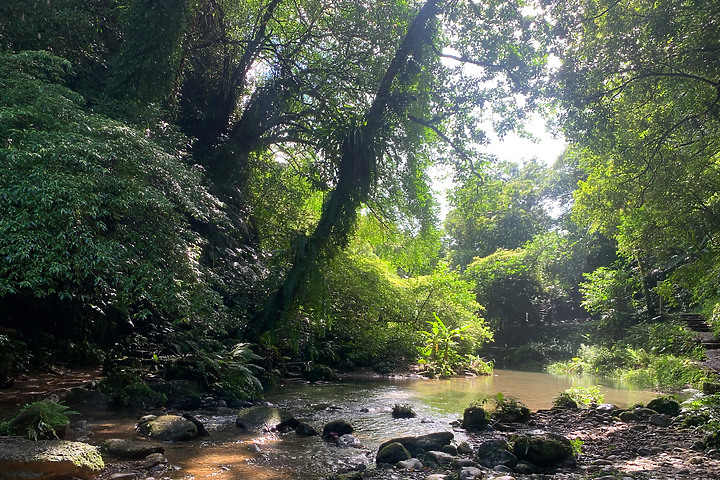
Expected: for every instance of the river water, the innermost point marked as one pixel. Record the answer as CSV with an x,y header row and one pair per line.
x,y
232,454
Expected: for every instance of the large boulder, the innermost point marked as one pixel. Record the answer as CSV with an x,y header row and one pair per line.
x,y
424,443
665,405
546,449
492,453
263,418
48,459
131,449
167,428
392,453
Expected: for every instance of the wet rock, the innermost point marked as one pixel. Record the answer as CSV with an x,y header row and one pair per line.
x,y
305,430
660,419
349,441
424,443
546,449
504,477
470,473
629,416
437,476
410,464
167,428
495,452
502,469
474,418
392,453
47,459
665,405
130,449
338,427
263,418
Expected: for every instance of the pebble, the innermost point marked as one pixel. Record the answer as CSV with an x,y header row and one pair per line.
x,y
696,460
470,473
123,476
436,476
411,464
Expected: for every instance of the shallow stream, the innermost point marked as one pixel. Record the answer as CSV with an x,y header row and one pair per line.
x,y
231,454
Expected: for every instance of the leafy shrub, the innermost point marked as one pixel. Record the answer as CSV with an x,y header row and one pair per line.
x,y
403,411
127,389
581,396
509,410
39,421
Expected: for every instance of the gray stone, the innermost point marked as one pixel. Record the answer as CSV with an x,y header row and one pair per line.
x,y
504,477
410,464
502,469
660,419
167,428
424,443
450,449
349,441
495,452
305,430
263,418
131,449
607,408
459,463
123,476
436,476
464,448
629,416
48,459
441,458
470,473
392,453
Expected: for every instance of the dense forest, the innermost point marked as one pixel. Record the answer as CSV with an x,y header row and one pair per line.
x,y
228,191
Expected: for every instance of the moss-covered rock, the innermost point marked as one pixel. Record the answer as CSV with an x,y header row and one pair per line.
x,y
338,427
666,405
546,449
131,449
392,453
474,418
48,459
423,443
167,428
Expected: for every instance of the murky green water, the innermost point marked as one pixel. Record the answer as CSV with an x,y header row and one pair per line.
x,y
231,454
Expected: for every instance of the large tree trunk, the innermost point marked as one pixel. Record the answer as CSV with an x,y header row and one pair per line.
x,y
361,148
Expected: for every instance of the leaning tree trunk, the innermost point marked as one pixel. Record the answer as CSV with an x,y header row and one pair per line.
x,y
361,148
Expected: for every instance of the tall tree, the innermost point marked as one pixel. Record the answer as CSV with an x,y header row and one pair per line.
x,y
641,92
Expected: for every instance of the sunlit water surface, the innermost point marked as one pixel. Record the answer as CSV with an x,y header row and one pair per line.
x,y
232,454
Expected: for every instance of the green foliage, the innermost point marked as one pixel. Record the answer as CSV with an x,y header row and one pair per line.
x,y
403,411
576,444
440,356
509,410
581,396
128,389
703,412
94,213
39,421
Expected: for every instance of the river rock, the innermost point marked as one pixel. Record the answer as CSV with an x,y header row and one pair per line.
x,y
439,458
338,427
470,473
607,408
424,443
660,419
48,459
546,449
474,418
305,430
349,441
263,418
495,452
131,449
665,405
167,428
392,453
410,464
153,460
526,468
